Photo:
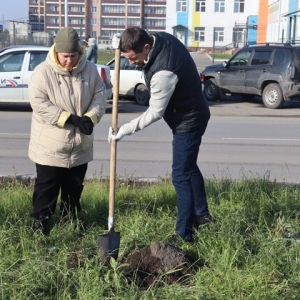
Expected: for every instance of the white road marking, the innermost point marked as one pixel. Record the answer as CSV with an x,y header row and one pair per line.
x,y
14,134
261,139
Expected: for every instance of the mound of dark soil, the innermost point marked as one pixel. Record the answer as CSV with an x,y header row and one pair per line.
x,y
158,261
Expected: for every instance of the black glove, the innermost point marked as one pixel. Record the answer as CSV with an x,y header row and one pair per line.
x,y
75,120
84,124
88,126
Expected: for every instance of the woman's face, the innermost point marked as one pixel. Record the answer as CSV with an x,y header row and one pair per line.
x,y
68,60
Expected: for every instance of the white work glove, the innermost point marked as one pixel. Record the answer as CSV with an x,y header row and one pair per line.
x,y
116,137
115,43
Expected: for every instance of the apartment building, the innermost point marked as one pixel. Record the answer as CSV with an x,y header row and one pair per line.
x,y
279,21
197,23
97,18
203,23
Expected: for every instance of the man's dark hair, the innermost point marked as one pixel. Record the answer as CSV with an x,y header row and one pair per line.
x,y
134,38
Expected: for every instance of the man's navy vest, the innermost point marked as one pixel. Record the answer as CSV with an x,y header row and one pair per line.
x,y
187,109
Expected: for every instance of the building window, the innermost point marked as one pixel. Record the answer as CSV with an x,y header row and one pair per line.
x,y
219,34
93,9
53,8
200,6
220,6
155,23
199,34
18,30
107,33
94,33
76,9
113,21
133,22
181,6
238,36
94,21
113,9
53,20
76,21
154,10
34,18
134,9
239,6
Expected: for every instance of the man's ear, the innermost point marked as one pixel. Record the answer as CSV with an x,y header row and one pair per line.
x,y
148,47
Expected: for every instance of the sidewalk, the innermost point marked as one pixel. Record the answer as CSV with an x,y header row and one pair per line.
x,y
201,59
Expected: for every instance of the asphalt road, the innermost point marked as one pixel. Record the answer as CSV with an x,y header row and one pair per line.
x,y
243,140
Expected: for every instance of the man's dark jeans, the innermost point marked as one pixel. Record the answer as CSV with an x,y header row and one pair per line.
x,y
188,180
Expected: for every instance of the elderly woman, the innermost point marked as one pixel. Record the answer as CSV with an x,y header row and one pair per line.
x,y
67,99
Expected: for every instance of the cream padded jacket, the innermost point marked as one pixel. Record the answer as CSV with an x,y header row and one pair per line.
x,y
54,94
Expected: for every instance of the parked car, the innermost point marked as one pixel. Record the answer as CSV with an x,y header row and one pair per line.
x,y
270,70
132,82
16,66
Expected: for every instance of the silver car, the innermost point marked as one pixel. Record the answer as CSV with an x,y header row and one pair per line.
x,y
16,66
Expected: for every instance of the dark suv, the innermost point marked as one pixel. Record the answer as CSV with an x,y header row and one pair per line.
x,y
270,70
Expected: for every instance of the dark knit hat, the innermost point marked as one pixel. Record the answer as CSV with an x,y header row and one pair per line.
x,y
67,41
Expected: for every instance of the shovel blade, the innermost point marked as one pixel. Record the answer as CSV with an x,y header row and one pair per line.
x,y
109,244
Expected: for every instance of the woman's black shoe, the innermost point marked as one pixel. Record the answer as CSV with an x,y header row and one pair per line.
x,y
42,225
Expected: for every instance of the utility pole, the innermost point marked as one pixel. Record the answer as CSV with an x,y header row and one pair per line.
x,y
66,13
14,32
213,50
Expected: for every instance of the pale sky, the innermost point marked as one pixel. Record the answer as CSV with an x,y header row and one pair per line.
x,y
15,10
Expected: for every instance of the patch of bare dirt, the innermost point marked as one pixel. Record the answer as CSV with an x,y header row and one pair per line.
x,y
158,261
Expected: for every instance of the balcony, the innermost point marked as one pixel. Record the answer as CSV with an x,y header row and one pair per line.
x,y
33,2
112,2
134,14
36,2
153,16
113,14
52,12
155,2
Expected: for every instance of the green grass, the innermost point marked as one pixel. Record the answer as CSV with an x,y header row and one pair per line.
x,y
105,56
220,56
252,251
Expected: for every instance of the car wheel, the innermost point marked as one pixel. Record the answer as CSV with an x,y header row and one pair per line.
x,y
142,95
211,90
272,96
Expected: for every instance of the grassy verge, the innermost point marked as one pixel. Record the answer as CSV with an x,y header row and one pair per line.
x,y
105,56
220,56
251,252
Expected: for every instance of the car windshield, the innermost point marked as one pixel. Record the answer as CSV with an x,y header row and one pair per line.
x,y
11,62
240,58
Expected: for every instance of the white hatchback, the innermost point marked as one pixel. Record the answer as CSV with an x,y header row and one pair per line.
x,y
132,82
16,66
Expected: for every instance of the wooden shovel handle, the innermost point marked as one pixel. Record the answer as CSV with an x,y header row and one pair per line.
x,y
113,144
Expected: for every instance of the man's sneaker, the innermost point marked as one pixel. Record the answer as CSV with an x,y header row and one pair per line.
x,y
41,225
176,240
202,220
